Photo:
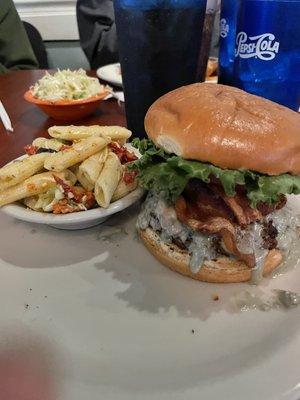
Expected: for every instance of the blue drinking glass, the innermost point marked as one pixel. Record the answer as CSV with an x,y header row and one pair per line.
x,y
267,52
159,47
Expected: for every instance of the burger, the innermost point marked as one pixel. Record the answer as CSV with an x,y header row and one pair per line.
x,y
218,165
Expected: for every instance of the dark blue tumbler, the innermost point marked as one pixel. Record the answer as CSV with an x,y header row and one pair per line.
x,y
159,47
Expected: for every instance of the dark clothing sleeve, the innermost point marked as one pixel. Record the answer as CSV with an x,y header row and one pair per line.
x,y
15,49
97,31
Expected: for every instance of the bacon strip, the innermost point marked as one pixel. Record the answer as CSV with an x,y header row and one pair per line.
x,y
188,214
206,208
239,205
266,208
206,202
229,241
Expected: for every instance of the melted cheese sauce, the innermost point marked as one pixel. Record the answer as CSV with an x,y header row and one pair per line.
x,y
161,217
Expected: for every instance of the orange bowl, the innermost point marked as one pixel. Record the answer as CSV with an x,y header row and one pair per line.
x,y
67,110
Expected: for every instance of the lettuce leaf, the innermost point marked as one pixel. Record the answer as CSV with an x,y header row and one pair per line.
x,y
168,174
268,188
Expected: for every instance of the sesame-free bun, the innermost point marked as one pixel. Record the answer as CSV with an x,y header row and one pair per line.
x,y
222,270
227,127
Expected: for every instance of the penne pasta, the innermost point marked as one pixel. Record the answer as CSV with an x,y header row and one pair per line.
x,y
89,169
74,154
20,170
72,132
52,144
123,189
108,180
33,186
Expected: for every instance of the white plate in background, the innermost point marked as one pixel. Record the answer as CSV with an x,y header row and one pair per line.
x,y
111,73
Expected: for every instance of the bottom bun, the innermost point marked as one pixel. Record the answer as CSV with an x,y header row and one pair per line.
x,y
221,270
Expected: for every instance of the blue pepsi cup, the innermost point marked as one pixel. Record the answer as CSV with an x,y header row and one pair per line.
x,y
267,52
159,47
228,24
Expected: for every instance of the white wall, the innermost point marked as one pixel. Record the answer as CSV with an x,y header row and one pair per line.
x,y
55,19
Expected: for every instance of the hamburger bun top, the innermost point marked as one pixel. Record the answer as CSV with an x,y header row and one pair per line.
x,y
227,127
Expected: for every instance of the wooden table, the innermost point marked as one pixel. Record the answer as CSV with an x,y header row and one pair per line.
x,y
30,122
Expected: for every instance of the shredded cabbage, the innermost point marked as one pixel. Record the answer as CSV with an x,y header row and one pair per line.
x,y
46,200
66,85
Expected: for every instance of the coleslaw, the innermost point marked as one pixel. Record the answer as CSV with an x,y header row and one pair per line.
x,y
66,85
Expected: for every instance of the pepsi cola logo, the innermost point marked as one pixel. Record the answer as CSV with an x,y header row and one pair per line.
x,y
224,28
264,46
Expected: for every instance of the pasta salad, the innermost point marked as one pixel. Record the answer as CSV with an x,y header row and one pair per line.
x,y
77,168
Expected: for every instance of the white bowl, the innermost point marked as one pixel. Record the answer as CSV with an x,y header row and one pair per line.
x,y
72,221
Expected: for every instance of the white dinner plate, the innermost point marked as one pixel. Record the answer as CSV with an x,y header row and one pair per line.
x,y
92,315
111,73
